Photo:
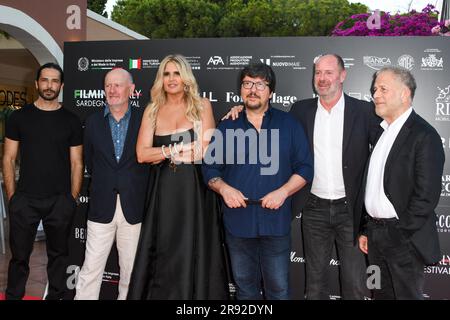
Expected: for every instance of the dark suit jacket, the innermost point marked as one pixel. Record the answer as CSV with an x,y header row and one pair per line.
x,y
412,183
109,177
360,130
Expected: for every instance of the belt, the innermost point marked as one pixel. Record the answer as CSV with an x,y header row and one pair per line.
x,y
327,201
382,221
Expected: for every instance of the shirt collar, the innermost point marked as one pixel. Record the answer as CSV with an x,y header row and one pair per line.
x,y
266,117
339,106
107,112
399,122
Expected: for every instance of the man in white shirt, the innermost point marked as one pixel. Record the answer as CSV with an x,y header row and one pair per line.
x,y
402,189
340,130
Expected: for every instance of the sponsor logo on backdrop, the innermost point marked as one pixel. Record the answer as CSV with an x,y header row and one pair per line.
x,y
97,98
348,62
360,96
83,199
150,63
72,278
112,277
227,62
89,98
232,288
444,144
194,62
296,259
265,61
445,192
406,61
215,61
443,223
135,64
239,61
376,63
277,99
89,94
334,262
290,62
80,234
99,64
209,95
443,267
433,61
83,64
443,104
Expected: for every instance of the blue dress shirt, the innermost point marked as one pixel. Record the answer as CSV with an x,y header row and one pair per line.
x,y
118,131
292,153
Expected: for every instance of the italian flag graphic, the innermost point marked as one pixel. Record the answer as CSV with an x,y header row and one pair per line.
x,y
135,63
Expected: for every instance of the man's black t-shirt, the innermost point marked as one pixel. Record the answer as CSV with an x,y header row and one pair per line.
x,y
45,138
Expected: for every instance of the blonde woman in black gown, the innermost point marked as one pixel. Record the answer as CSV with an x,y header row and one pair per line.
x,y
180,252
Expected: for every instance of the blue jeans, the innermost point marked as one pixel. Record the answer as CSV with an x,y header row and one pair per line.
x,y
325,223
263,258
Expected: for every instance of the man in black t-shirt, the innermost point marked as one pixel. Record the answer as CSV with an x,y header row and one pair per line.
x,y
49,139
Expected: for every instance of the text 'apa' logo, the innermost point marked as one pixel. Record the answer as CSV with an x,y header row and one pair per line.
x,y
215,61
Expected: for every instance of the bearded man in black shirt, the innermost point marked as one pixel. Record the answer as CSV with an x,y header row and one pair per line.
x,y
49,139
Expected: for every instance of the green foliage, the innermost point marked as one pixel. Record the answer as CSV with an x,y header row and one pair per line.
x,y
98,6
168,18
233,18
321,16
4,34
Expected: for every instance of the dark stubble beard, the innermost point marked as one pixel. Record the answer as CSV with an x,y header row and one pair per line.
x,y
48,98
253,107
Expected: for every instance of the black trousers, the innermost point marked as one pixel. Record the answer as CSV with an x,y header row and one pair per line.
x,y
25,212
325,223
401,268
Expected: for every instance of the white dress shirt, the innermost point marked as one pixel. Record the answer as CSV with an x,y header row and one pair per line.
x,y
377,204
328,182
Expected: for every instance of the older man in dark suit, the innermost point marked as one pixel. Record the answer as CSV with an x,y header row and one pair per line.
x,y
117,189
402,190
340,130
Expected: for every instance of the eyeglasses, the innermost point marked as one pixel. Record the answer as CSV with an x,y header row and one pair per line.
x,y
260,86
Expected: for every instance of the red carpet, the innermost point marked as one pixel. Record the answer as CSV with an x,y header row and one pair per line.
x,y
2,297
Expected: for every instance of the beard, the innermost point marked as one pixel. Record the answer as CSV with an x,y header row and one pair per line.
x,y
253,106
48,95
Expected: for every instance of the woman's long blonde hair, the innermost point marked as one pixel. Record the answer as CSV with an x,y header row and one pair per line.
x,y
191,95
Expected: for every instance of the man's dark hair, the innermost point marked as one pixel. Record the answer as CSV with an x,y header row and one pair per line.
x,y
50,65
258,70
